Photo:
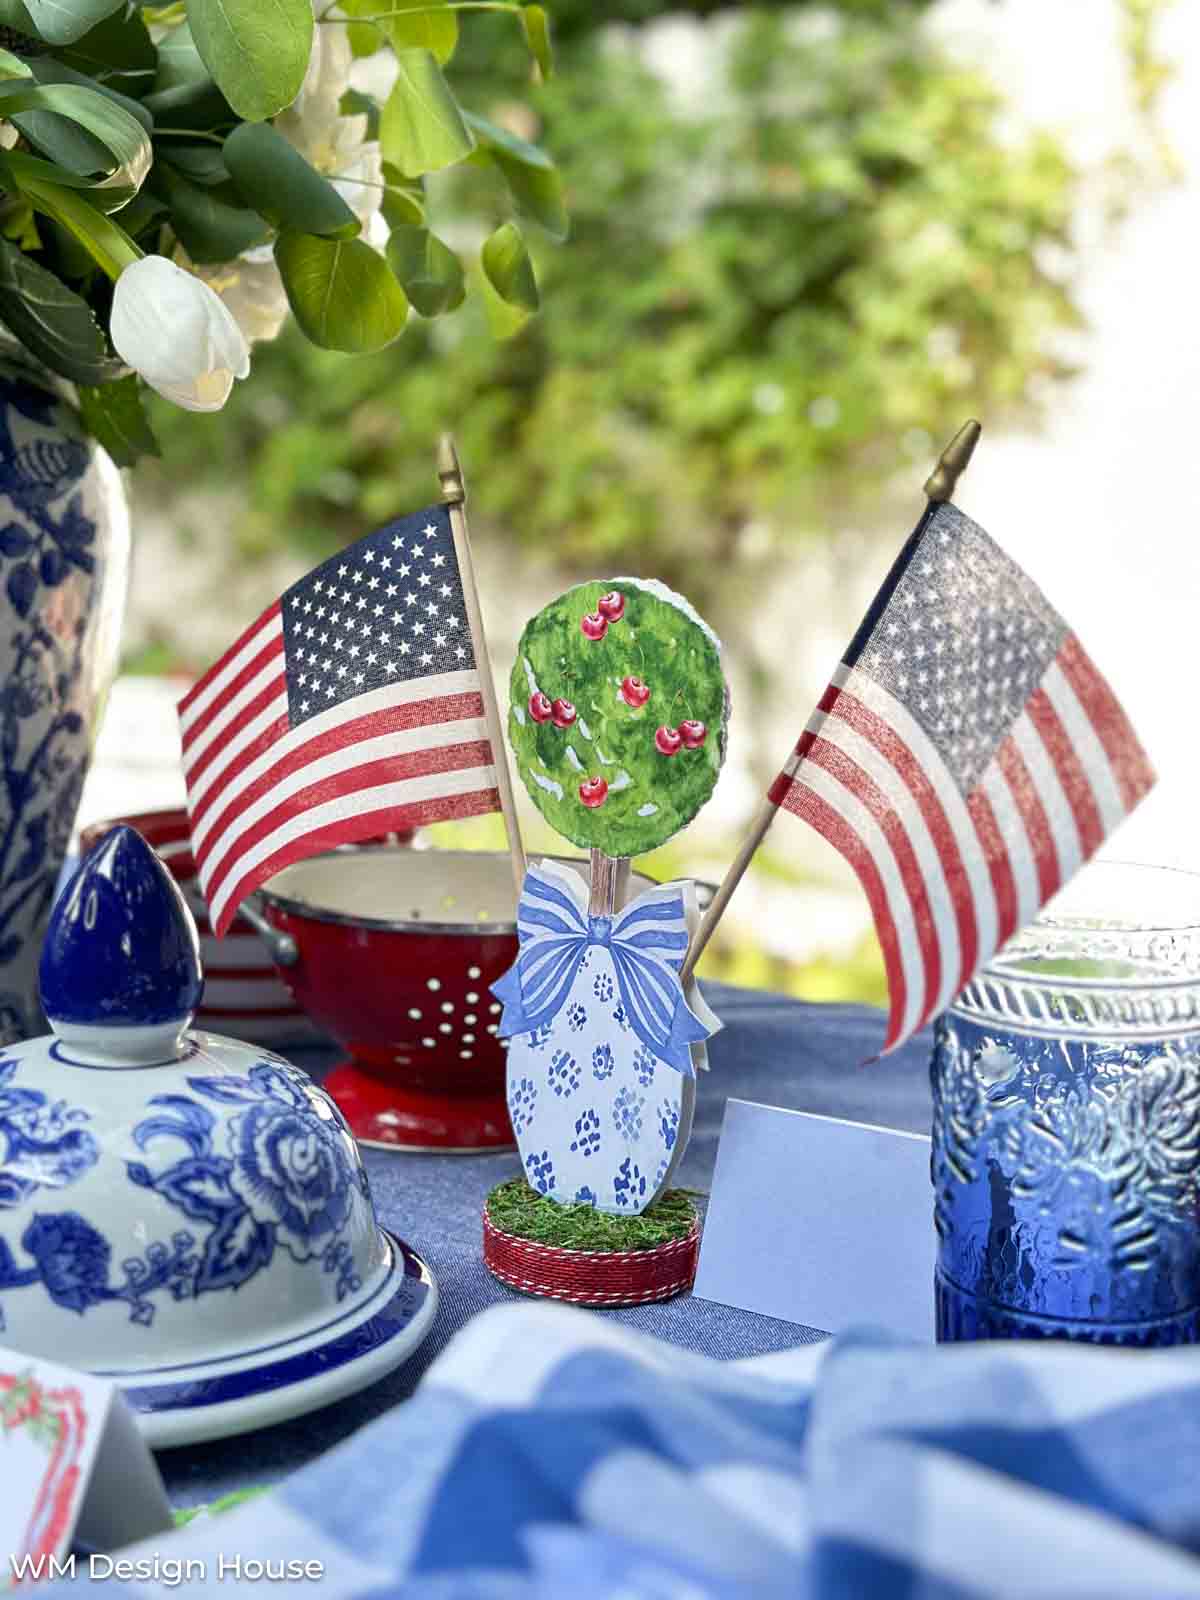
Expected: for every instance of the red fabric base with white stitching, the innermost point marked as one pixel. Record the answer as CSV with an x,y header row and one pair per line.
x,y
592,1277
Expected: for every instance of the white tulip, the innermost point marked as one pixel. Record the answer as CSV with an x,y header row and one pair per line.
x,y
178,334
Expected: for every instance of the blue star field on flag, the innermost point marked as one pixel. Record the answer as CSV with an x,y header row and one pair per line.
x,y
388,609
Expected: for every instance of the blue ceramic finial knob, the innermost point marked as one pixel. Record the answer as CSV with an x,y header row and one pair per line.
x,y
120,971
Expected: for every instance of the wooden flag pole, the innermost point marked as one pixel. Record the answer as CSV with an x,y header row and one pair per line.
x,y
454,498
939,487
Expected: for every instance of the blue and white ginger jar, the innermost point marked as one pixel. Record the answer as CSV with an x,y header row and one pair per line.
x,y
170,1202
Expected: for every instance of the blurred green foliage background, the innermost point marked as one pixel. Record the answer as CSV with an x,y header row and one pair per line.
x,y
787,281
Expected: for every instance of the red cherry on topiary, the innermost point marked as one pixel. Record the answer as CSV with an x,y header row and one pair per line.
x,y
540,708
593,792
611,606
593,625
667,742
634,692
693,734
563,713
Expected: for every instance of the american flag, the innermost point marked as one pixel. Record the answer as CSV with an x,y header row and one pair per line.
x,y
966,760
350,708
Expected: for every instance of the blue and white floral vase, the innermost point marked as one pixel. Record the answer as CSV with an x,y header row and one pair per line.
x,y
64,561
604,1041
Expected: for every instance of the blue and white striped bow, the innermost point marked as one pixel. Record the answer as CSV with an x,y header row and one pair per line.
x,y
647,942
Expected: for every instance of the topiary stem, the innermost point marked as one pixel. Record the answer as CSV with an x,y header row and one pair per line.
x,y
609,883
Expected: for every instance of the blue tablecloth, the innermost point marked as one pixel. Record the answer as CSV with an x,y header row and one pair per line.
x,y
773,1050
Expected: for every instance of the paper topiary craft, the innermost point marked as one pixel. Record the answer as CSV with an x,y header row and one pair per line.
x,y
617,720
618,714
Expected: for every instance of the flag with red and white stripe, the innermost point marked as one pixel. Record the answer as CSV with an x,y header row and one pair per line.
x,y
966,760
352,707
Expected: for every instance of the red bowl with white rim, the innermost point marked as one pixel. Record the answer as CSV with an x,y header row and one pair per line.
x,y
394,952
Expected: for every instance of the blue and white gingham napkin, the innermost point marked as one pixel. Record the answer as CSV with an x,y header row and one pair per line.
x,y
550,1454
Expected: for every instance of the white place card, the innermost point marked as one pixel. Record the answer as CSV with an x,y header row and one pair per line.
x,y
74,1468
819,1221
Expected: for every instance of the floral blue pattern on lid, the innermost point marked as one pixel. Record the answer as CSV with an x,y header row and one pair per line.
x,y
121,950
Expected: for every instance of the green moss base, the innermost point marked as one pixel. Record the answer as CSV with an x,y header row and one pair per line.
x,y
517,1209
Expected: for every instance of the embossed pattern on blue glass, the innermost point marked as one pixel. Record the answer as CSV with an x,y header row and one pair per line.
x,y
1065,1181
1066,1143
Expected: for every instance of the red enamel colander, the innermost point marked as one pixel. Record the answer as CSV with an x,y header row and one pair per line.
x,y
394,952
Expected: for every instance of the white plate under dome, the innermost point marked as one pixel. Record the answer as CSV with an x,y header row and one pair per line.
x,y
189,1404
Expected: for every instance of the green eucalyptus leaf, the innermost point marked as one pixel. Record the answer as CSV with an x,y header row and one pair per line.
x,y
108,245
364,38
504,320
343,294
256,50
64,143
12,66
142,212
532,178
202,163
507,267
402,209
24,167
433,28
431,273
275,178
68,143
126,149
537,36
354,103
117,54
51,69
211,226
64,21
422,129
114,415
51,321
179,61
195,104
403,203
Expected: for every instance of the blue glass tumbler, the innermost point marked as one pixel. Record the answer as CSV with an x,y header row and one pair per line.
x,y
1066,1122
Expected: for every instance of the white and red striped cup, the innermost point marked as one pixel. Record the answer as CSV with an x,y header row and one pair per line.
x,y
243,996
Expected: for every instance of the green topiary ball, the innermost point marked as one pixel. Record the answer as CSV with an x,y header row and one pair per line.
x,y
618,711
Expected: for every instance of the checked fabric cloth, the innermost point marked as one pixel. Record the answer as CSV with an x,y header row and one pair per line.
x,y
552,1453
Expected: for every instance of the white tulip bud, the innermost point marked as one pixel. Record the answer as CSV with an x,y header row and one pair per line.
x,y
180,336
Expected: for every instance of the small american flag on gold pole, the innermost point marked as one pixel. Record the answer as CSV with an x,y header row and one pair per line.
x,y
966,759
360,702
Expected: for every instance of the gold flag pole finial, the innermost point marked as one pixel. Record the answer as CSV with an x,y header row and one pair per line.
x,y
449,471
952,463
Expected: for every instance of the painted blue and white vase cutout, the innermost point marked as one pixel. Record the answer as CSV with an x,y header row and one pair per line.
x,y
604,1044
64,560
178,1210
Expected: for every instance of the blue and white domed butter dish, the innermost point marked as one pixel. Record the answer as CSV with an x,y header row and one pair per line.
x,y
180,1212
